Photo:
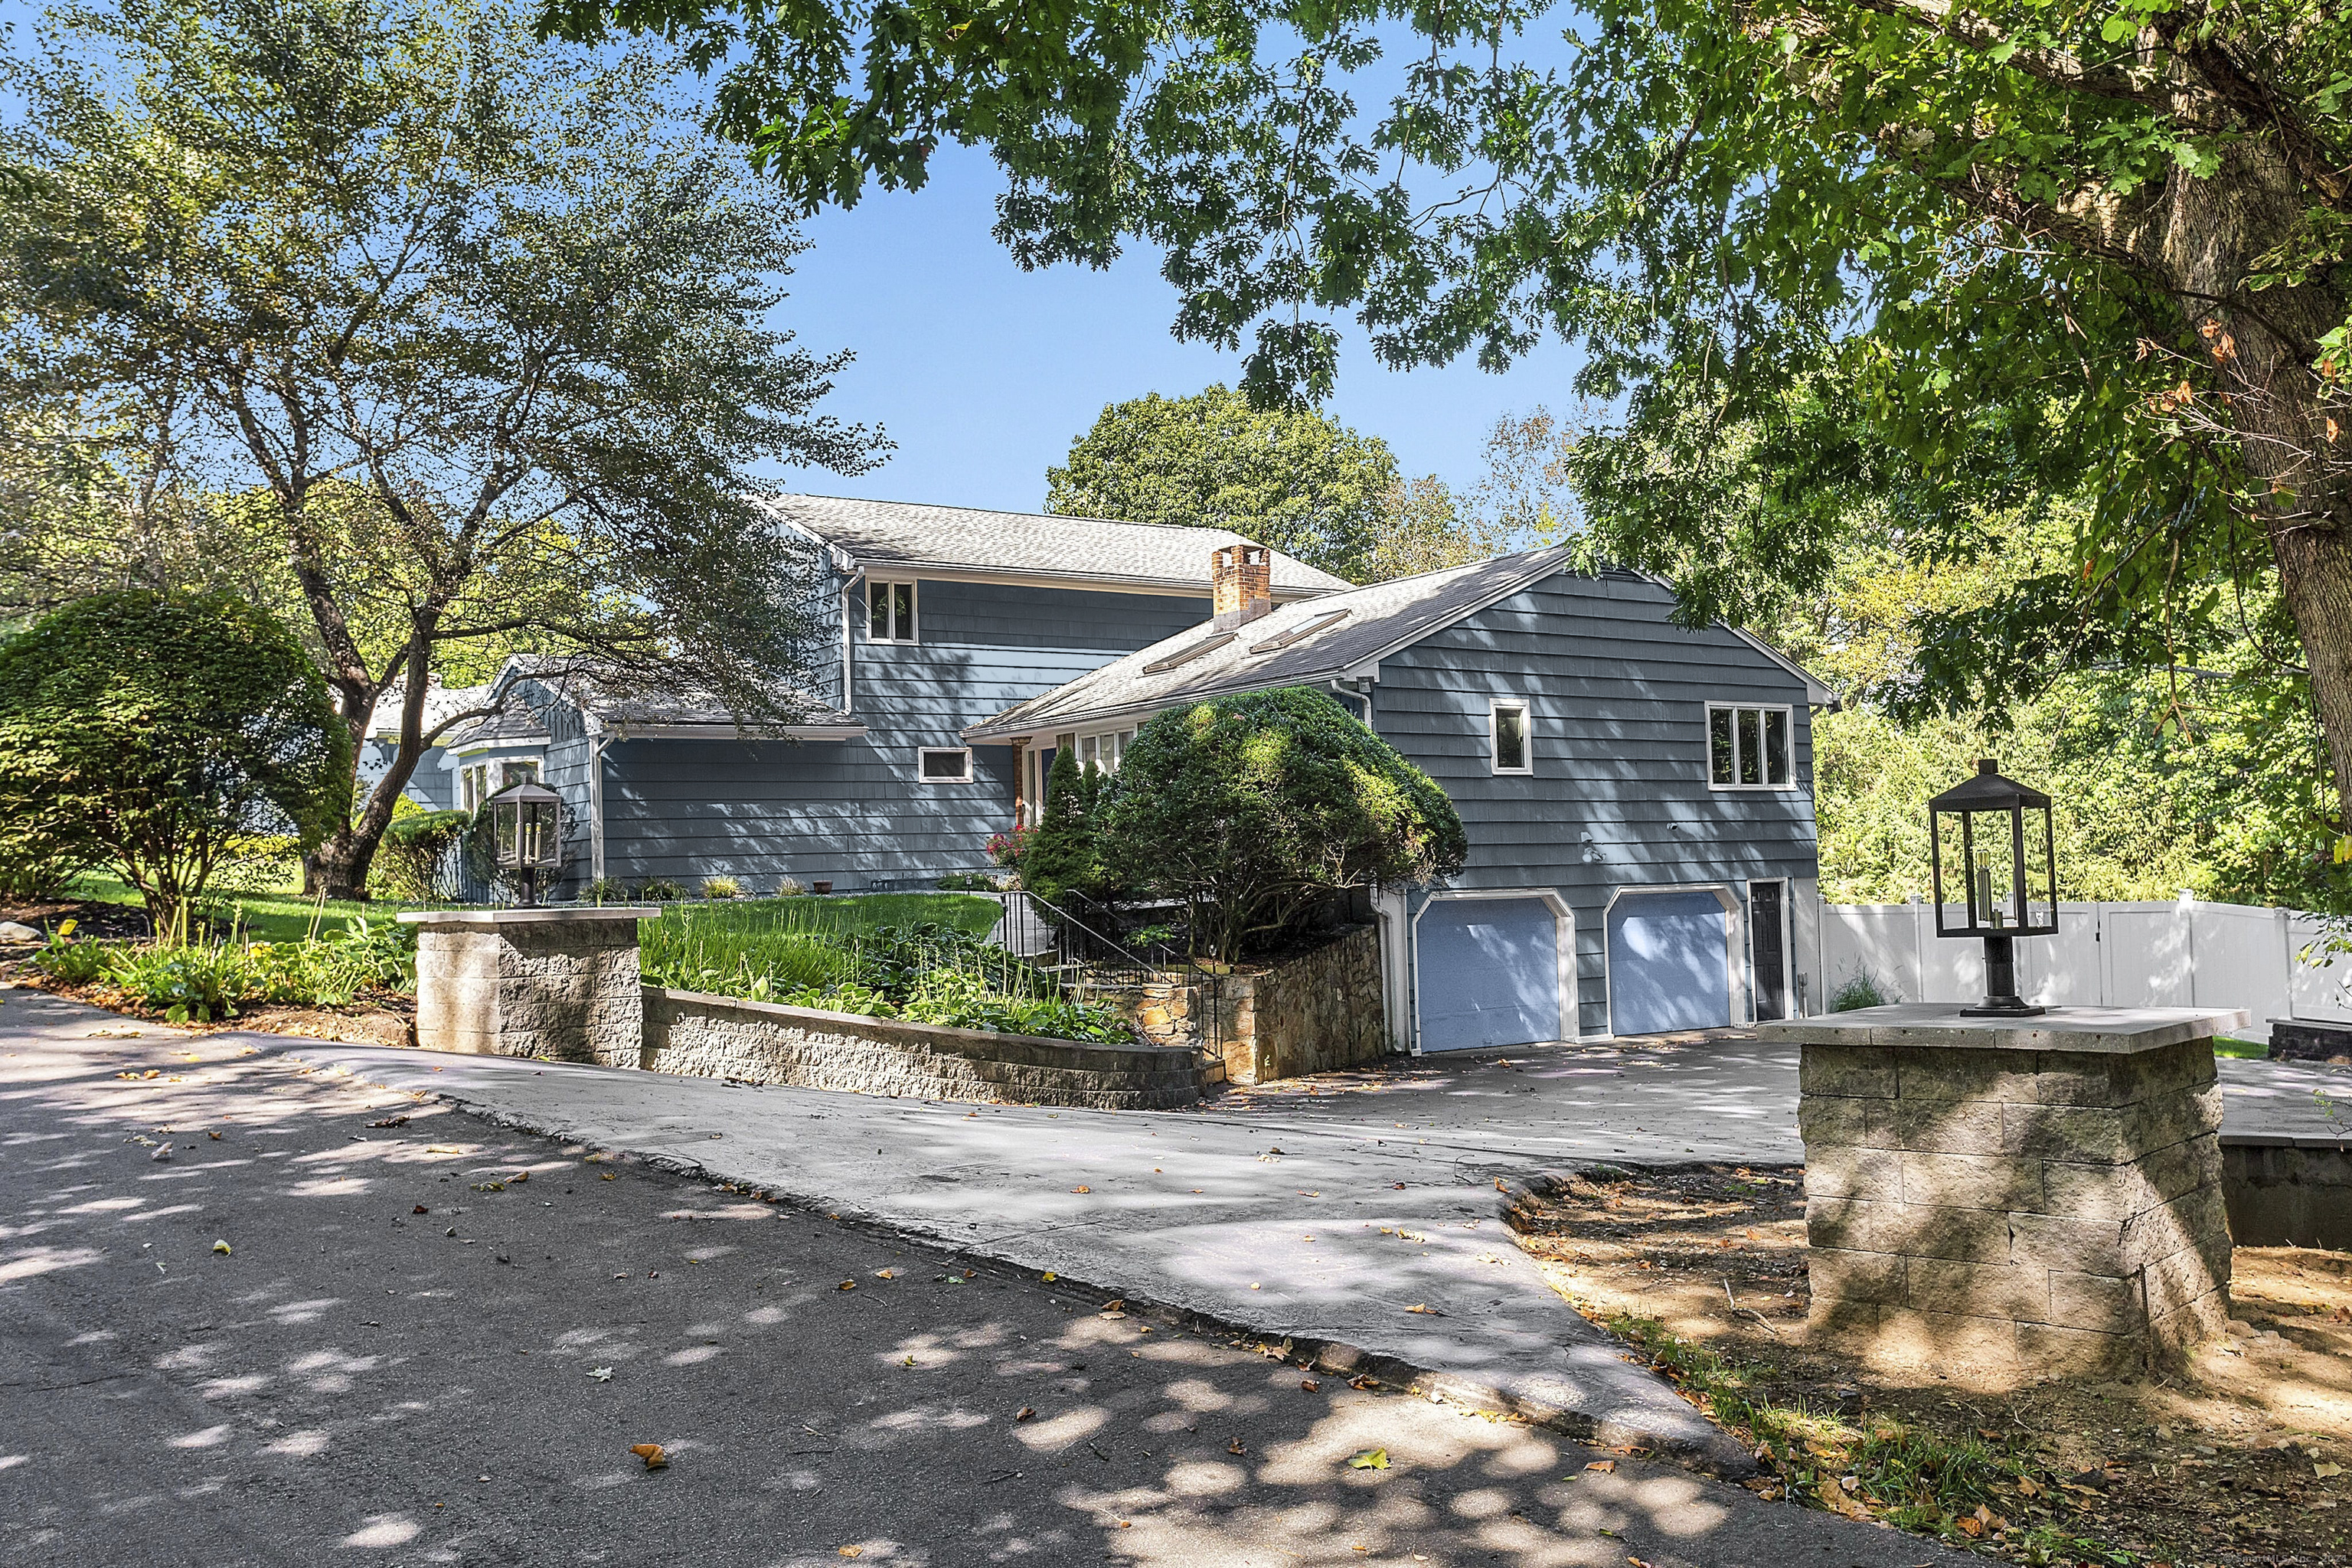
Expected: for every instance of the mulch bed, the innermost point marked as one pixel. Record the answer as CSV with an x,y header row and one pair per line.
x,y
2243,1458
90,919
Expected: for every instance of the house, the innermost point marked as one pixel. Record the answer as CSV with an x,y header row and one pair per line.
x,y
434,783
944,615
1637,793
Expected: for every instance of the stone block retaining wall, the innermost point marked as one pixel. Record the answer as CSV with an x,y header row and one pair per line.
x,y
757,1042
1315,1013
2015,1211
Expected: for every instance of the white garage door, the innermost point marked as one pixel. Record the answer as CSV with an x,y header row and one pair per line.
x,y
1669,963
1489,973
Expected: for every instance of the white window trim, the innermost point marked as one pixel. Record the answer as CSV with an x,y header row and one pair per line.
x,y
1495,706
914,599
1706,740
923,753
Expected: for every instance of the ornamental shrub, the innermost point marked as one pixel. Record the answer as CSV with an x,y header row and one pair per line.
x,y
410,864
155,729
1255,810
1062,858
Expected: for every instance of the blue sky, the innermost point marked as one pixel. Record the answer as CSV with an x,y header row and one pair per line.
x,y
983,374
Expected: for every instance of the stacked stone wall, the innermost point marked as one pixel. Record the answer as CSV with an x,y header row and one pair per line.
x,y
754,1042
2014,1212
566,990
1318,1012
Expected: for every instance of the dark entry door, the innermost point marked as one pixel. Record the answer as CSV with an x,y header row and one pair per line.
x,y
1768,948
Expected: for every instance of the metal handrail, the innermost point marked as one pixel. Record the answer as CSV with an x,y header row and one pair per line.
x,y
1159,975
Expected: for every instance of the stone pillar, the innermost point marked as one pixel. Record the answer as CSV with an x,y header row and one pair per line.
x,y
2002,1200
561,983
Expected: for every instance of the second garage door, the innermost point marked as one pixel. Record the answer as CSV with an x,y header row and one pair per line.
x,y
1669,963
1489,974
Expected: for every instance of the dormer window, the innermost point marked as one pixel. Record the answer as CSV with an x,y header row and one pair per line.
x,y
890,611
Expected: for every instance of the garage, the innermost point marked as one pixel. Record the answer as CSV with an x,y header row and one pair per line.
x,y
1669,962
1489,972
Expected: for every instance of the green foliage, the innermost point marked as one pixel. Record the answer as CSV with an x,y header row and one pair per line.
x,y
157,730
722,887
1292,479
1858,991
660,891
1063,857
469,337
39,852
969,882
1254,809
1829,264
407,867
206,979
829,954
2212,777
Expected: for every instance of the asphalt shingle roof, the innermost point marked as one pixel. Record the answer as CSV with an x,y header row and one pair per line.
x,y
1378,620
906,536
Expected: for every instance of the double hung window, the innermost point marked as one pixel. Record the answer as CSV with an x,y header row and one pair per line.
x,y
1750,748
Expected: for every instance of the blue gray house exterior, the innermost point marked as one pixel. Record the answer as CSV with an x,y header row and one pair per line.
x,y
941,615
1637,793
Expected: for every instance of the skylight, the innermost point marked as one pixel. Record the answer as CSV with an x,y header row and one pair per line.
x,y
1207,645
1300,633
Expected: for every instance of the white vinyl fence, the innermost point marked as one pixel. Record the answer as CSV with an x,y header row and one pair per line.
x,y
2184,954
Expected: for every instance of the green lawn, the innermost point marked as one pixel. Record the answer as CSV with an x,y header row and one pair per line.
x,y
262,917
287,916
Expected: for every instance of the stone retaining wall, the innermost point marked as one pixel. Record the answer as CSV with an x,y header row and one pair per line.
x,y
528,983
2288,1191
1316,1013
757,1042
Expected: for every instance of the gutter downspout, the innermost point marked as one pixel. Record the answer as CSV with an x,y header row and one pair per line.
x,y
849,684
597,741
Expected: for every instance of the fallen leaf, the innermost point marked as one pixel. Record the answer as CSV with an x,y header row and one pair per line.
x,y
443,1148
1234,1447
909,1361
1118,1306
1426,1309
2027,1486
519,1177
886,1274
2324,1471
220,1247
214,1136
1023,1413
1309,1385
1969,1526
853,1551
1605,1465
1050,1277
601,1374
1369,1460
655,1456
1082,1189
847,1285
387,1121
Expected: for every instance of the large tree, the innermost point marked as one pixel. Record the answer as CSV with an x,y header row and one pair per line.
x,y
1292,478
468,334
1948,253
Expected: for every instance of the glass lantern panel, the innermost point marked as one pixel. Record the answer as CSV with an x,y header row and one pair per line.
x,y
1751,746
1994,875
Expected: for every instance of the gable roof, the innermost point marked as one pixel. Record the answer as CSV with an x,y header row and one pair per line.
x,y
1293,644
1300,645
964,542
440,702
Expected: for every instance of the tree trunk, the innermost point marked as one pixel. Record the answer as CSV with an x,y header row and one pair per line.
x,y
2298,463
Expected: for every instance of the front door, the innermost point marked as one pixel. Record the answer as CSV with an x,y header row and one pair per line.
x,y
1768,949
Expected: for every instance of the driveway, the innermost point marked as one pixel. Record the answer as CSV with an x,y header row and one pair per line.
x,y
425,1337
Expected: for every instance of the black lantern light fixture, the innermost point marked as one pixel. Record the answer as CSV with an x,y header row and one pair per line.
x,y
2009,875
527,818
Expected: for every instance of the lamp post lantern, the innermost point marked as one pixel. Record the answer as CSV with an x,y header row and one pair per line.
x,y
528,817
2009,875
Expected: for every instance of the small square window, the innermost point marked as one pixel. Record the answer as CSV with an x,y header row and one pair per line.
x,y
946,764
890,611
1750,748
1508,737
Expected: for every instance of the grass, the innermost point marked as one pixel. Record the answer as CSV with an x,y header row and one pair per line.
x,y
2251,1050
283,916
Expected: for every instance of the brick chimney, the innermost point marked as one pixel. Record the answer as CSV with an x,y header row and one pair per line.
x,y
1241,578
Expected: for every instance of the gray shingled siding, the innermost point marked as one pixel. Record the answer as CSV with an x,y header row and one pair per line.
x,y
432,785
1619,796
854,811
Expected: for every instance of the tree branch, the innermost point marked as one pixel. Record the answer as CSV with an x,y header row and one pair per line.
x,y
2057,66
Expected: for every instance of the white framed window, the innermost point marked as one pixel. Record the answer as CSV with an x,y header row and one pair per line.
x,y
945,764
1750,748
1104,751
520,772
1509,749
890,611
474,786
